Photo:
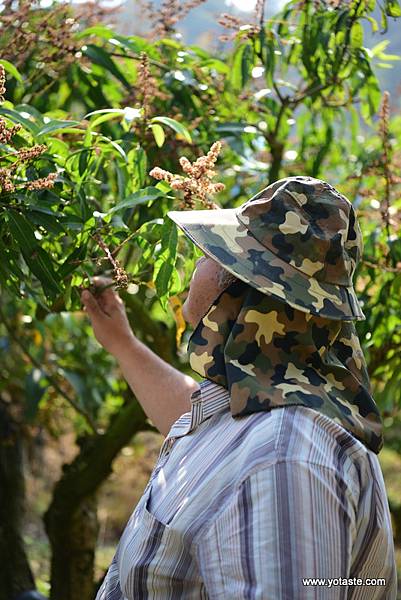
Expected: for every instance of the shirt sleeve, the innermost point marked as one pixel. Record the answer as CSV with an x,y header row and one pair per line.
x,y
285,522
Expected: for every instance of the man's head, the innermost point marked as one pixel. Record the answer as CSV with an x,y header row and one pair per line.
x,y
298,240
208,280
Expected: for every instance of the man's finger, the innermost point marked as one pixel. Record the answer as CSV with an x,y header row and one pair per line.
x,y
104,286
101,280
91,305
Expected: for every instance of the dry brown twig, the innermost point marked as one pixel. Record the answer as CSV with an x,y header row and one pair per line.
x,y
165,17
121,279
197,184
230,22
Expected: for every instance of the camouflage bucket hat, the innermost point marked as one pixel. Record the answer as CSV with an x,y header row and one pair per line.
x,y
297,240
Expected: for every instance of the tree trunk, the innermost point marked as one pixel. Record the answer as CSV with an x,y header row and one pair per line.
x,y
395,510
73,541
277,150
15,573
70,520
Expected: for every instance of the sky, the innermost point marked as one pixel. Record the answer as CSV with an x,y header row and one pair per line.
x,y
240,5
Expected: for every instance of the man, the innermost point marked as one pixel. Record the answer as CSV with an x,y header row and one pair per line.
x,y
268,475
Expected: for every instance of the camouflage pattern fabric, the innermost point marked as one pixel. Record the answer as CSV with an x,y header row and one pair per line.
x,y
268,354
283,332
297,239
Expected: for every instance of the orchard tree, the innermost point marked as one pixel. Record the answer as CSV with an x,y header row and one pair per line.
x,y
100,135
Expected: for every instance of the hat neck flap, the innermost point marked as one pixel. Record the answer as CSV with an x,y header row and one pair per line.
x,y
268,354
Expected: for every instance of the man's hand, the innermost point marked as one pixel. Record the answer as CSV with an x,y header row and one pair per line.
x,y
162,390
108,317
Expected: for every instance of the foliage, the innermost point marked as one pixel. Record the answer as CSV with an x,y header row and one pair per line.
x,y
308,69
295,94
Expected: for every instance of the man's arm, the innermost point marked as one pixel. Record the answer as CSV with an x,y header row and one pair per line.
x,y
163,391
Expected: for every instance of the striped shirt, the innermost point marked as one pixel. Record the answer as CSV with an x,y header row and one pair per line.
x,y
253,506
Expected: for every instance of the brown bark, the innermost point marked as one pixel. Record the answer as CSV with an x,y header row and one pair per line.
x,y
15,572
395,510
70,520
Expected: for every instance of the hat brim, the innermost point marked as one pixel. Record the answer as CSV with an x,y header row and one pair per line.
x,y
224,238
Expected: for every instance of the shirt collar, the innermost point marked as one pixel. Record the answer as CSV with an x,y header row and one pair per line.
x,y
209,399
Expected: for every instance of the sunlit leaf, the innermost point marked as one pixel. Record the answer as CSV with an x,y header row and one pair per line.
x,y
175,125
158,133
55,125
10,68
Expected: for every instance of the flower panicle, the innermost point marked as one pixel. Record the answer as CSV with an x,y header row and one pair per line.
x,y
6,182
164,18
146,89
6,134
230,22
28,154
384,115
21,156
44,183
198,182
46,35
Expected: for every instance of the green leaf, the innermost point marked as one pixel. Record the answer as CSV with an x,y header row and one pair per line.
x,y
83,160
162,280
373,22
106,117
246,64
106,114
119,149
56,125
158,134
136,44
72,262
46,219
137,167
9,67
175,125
165,262
37,259
231,127
392,8
102,111
384,65
140,197
99,30
31,110
42,267
22,231
215,64
15,117
356,35
100,57
242,65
